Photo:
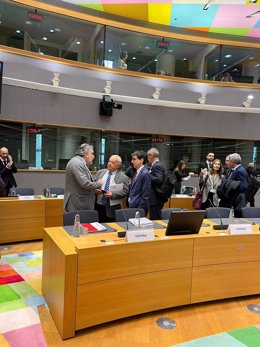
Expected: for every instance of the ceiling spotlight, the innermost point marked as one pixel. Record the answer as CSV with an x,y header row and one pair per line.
x,y
202,99
78,42
156,94
110,50
51,31
45,38
248,101
108,87
18,31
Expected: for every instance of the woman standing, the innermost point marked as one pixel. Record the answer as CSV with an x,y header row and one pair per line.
x,y
180,174
210,181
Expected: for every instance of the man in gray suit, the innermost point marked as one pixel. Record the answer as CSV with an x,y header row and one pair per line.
x,y
114,189
80,187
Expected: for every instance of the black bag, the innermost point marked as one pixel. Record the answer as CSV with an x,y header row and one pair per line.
x,y
253,186
166,188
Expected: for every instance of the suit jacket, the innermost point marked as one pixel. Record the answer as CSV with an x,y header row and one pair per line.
x,y
79,193
7,176
203,165
157,176
119,178
239,174
140,189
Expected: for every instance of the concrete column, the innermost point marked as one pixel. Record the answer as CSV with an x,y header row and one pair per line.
x,y
166,62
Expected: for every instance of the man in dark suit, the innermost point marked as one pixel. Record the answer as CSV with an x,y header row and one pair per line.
x,y
7,169
113,178
238,173
208,163
157,175
140,186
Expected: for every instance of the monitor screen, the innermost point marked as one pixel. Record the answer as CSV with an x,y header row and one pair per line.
x,y
1,79
185,222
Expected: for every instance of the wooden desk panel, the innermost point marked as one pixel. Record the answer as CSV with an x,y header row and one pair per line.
x,y
226,249
133,258
222,281
181,202
15,209
100,302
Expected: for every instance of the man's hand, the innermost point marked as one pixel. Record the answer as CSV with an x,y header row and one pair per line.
x,y
10,162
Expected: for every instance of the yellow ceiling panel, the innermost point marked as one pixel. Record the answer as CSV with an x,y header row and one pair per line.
x,y
136,11
159,13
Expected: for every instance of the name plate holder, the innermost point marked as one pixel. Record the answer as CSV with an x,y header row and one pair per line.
x,y
26,197
140,235
240,229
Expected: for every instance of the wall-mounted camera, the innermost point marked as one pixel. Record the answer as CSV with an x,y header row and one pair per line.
x,y
107,105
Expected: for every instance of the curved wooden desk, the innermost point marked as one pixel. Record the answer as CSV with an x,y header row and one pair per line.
x,y
87,282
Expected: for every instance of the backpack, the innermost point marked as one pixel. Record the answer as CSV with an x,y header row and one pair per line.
x,y
253,186
166,188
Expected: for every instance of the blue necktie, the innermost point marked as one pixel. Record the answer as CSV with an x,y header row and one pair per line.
x,y
106,188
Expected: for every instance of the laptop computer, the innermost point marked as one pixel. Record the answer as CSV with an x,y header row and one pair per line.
x,y
185,222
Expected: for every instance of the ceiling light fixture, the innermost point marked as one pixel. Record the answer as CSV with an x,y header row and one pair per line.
x,y
51,31
78,42
45,38
202,99
248,101
156,94
207,5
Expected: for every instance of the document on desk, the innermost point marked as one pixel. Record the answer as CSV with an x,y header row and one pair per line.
x,y
115,188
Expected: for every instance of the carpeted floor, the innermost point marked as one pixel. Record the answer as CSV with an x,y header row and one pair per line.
x,y
246,337
20,294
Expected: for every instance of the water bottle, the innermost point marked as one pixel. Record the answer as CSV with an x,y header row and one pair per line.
x,y
231,217
137,219
48,192
13,191
77,226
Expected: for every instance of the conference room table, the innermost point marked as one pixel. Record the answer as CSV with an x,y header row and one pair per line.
x,y
99,277
23,218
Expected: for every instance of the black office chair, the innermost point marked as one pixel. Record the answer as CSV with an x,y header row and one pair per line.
x,y
24,191
86,216
217,212
123,215
253,212
54,190
166,212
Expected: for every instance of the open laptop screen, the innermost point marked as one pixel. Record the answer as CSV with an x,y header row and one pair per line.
x,y
185,222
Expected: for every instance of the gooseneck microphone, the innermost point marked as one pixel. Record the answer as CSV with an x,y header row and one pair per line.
x,y
221,226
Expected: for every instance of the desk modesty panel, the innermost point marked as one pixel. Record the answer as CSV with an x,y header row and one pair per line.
x,y
23,220
115,279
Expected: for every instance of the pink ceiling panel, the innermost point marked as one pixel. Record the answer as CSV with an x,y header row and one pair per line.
x,y
254,33
229,16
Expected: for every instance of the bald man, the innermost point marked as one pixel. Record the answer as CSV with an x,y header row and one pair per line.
x,y
7,169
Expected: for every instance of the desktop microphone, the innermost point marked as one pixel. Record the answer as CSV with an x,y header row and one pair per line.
x,y
221,226
123,233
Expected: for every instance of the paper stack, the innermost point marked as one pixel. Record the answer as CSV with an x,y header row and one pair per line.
x,y
144,222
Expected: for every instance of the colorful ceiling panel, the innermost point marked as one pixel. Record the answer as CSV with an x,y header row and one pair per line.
x,y
234,17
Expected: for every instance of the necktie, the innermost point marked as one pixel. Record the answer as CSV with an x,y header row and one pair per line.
x,y
106,188
5,162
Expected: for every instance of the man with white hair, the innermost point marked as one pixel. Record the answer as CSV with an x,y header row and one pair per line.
x,y
79,193
237,173
115,187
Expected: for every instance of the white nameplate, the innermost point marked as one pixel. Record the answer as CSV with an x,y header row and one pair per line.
x,y
140,235
26,197
240,229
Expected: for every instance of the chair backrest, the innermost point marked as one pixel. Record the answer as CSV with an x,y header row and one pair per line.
x,y
166,212
122,215
86,216
24,191
54,190
253,212
216,212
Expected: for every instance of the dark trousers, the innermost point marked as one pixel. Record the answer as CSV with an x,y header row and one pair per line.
x,y
155,211
103,218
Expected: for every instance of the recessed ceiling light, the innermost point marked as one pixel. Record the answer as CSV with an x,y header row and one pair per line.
x,y
78,42
170,50
28,22
257,65
45,38
134,58
51,31
228,56
216,60
0,22
101,42
184,59
58,30
155,59
110,50
224,65
18,31
123,44
147,47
